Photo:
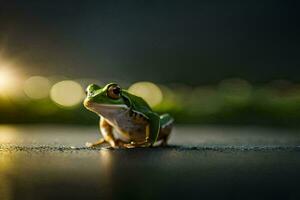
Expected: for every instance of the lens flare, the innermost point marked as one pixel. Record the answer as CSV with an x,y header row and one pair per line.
x,y
6,79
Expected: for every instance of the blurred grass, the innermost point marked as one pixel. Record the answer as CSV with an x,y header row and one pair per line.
x,y
233,101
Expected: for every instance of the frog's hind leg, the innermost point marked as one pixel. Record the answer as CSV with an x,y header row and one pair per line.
x,y
166,125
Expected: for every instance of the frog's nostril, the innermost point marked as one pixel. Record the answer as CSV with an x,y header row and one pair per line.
x,y
90,94
92,87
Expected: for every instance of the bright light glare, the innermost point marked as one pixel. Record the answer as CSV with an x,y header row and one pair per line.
x,y
150,92
67,93
37,87
6,79
7,134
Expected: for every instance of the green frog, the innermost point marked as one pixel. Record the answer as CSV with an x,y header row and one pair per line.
x,y
126,120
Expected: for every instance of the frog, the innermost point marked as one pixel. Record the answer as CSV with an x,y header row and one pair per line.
x,y
126,120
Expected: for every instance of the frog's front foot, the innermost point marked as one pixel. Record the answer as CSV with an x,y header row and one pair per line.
x,y
98,143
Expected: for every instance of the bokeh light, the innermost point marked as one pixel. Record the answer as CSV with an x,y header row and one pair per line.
x,y
150,92
37,87
6,79
67,93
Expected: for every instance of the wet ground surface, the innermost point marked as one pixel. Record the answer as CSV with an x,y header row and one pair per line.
x,y
51,162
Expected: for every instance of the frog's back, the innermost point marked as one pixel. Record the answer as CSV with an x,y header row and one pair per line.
x,y
138,104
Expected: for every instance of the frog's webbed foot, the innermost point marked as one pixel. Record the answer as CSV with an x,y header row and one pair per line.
x,y
96,144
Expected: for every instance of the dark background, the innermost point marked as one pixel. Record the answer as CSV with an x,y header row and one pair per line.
x,y
219,66
192,42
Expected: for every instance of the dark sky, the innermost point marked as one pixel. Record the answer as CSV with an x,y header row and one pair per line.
x,y
166,41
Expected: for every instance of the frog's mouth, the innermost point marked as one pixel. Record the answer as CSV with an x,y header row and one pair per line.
x,y
103,108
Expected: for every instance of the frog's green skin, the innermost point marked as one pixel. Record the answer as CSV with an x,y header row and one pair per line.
x,y
134,122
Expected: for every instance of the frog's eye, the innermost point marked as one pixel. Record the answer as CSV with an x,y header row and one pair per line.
x,y
114,92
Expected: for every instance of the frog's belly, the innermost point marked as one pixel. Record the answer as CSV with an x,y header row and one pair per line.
x,y
131,128
135,133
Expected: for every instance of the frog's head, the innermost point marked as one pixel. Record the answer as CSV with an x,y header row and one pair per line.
x,y
105,100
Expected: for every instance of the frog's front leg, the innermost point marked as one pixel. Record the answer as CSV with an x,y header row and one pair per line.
x,y
98,143
107,133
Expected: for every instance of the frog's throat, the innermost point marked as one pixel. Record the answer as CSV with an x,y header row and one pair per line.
x,y
111,110
103,109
